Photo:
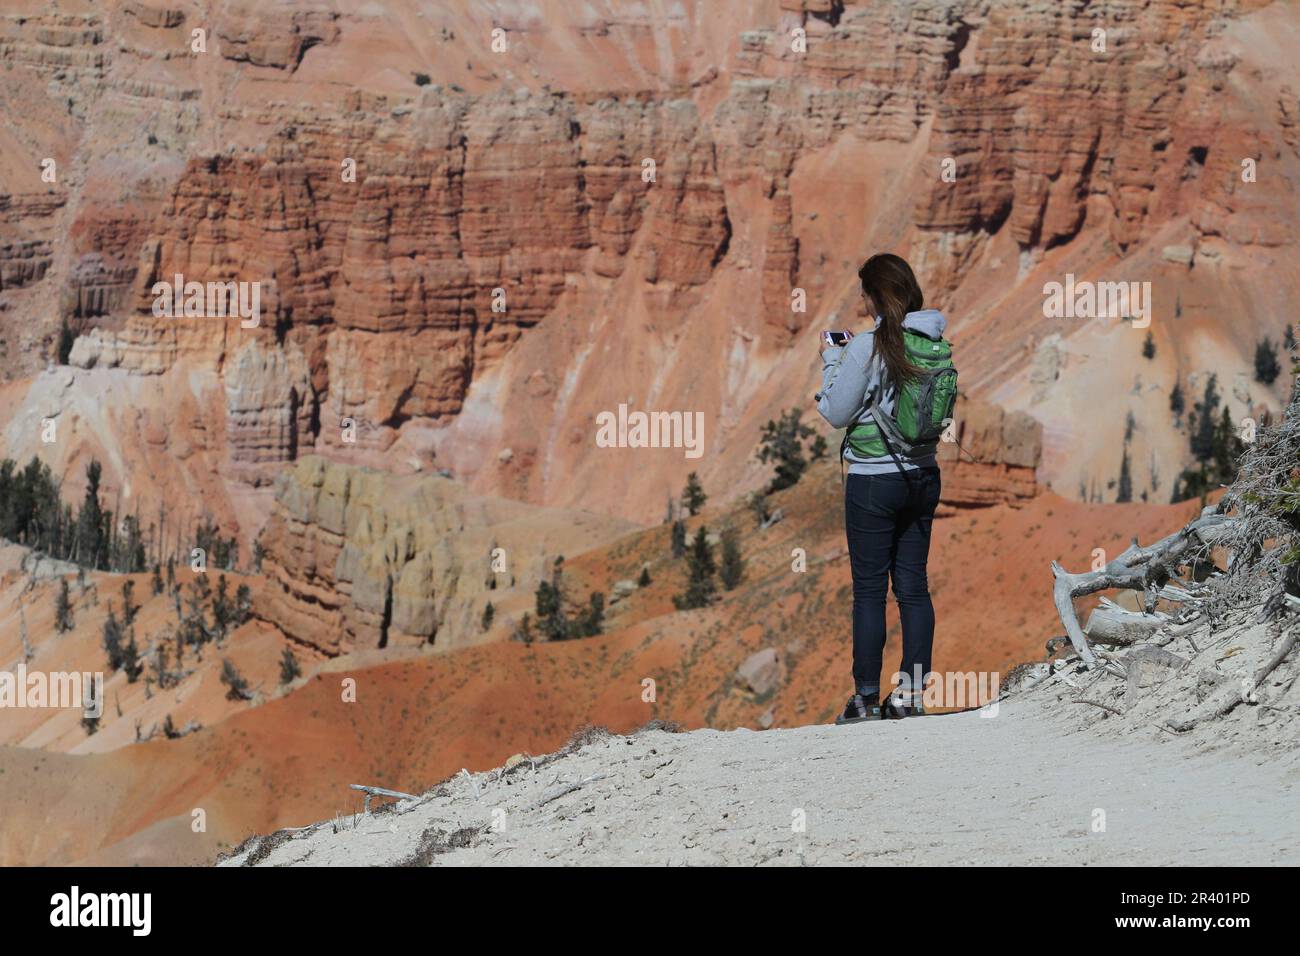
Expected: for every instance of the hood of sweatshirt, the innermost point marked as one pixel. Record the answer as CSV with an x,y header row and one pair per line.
x,y
928,322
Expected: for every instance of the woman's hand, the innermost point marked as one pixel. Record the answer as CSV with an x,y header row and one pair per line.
x,y
826,342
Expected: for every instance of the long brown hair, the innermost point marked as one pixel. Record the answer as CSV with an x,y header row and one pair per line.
x,y
891,287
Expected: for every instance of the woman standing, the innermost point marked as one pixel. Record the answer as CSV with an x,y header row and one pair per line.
x,y
892,388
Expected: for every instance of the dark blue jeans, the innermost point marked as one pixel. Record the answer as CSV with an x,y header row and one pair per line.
x,y
888,519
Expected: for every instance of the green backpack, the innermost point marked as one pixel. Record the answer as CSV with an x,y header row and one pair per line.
x,y
922,412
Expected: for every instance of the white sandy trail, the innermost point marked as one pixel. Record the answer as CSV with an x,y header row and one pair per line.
x,y
960,789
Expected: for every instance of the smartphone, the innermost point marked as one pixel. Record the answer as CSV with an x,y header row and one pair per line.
x,y
836,339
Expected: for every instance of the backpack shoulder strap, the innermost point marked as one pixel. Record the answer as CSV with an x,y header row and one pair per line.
x,y
889,446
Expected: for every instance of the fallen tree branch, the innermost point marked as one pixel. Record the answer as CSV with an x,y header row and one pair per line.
x,y
1229,701
1176,594
1097,703
1276,659
1185,628
1237,695
560,789
1135,569
1114,625
472,782
380,792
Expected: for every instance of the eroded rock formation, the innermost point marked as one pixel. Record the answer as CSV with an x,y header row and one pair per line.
x,y
463,250
357,559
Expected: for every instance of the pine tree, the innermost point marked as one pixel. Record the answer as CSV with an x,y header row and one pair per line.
x,y
8,488
1125,492
546,601
236,685
243,604
1288,339
126,553
92,524
132,665
162,675
1177,403
156,582
679,538
63,609
1149,347
223,553
129,610
223,611
733,565
1267,368
44,522
693,496
1201,422
112,639
1228,449
66,338
549,604
289,669
1217,448
31,512
489,613
592,622
644,579
782,443
700,585
193,624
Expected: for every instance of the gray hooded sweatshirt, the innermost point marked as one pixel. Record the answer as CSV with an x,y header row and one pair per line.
x,y
852,375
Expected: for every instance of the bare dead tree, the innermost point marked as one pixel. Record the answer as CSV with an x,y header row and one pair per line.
x,y
1256,526
372,792
1147,570
1265,539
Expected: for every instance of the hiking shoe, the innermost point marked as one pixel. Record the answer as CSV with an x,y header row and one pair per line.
x,y
896,708
860,707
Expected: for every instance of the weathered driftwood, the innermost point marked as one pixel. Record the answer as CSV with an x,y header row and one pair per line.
x,y
1233,694
1097,703
1116,626
380,792
1181,629
1172,592
1137,569
560,789
1283,650
472,782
